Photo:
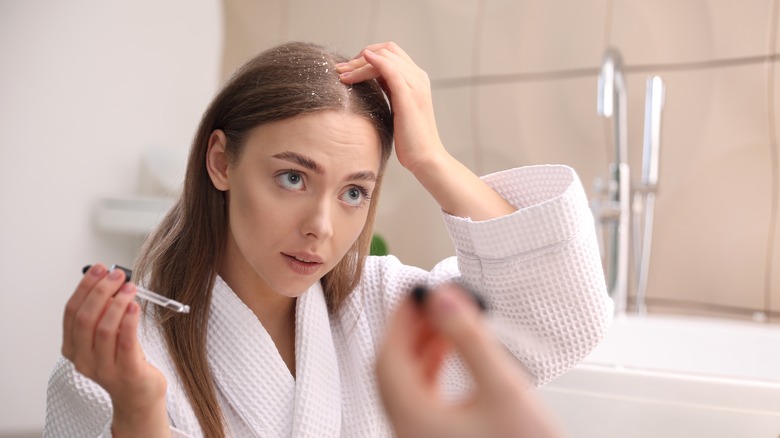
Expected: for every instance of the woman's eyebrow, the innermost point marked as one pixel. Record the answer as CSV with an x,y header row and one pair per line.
x,y
365,175
300,160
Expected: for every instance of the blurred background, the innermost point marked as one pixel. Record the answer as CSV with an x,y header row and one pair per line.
x,y
99,102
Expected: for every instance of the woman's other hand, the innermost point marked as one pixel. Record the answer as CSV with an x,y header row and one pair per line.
x,y
100,338
408,365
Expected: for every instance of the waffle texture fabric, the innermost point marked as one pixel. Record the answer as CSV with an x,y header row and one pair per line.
x,y
538,268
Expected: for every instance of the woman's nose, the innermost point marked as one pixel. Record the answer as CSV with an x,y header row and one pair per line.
x,y
318,222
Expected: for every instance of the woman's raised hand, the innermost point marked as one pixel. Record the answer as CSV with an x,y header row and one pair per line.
x,y
410,360
100,338
417,140
418,146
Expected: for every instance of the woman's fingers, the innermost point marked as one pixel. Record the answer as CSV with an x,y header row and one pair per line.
x,y
458,318
87,316
91,277
390,47
392,68
385,62
352,64
128,350
107,330
398,368
361,74
359,60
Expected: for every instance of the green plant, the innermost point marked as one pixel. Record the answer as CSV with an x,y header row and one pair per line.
x,y
378,246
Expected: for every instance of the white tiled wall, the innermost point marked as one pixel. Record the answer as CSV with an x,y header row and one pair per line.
x,y
514,83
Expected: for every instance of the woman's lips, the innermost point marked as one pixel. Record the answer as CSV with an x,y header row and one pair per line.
x,y
302,265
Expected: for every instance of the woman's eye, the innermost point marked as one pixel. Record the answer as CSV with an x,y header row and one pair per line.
x,y
355,196
290,180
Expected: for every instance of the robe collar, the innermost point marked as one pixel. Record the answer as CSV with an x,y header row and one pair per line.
x,y
254,379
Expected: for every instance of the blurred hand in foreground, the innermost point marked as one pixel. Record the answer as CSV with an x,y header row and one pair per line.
x,y
419,336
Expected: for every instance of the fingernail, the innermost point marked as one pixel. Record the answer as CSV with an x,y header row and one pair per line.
x,y
95,271
128,273
115,274
444,304
345,74
419,293
127,288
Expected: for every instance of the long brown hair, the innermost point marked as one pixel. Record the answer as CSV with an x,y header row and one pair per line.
x,y
182,255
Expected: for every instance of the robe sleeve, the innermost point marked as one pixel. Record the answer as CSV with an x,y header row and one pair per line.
x,y
539,269
76,406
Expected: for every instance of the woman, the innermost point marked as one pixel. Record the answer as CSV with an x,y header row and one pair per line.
x,y
268,245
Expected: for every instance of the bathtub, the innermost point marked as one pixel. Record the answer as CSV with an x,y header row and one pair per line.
x,y
673,377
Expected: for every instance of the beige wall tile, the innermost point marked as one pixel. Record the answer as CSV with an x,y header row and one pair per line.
x,y
774,280
498,127
250,26
454,111
521,36
410,220
775,29
673,31
408,217
343,25
542,122
690,105
713,205
437,34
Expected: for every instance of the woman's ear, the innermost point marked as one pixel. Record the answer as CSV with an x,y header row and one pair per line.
x,y
216,160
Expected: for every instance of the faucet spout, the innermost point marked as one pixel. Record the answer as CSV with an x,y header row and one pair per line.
x,y
612,104
612,100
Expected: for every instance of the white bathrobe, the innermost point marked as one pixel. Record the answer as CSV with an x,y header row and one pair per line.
x,y
538,268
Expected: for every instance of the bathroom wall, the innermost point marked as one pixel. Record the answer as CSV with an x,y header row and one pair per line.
x,y
514,83
86,87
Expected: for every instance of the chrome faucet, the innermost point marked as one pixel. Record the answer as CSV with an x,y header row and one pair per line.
x,y
613,206
614,213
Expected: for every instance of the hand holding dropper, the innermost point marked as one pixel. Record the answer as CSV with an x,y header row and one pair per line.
x,y
148,295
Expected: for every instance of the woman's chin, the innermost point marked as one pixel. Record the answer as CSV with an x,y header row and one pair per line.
x,y
298,290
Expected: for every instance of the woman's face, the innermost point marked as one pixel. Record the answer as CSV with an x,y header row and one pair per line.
x,y
298,198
